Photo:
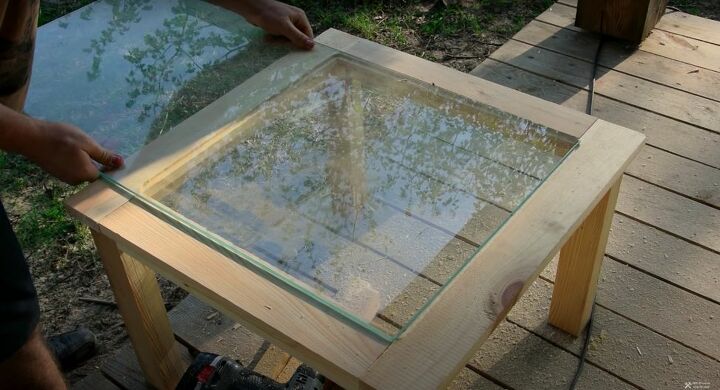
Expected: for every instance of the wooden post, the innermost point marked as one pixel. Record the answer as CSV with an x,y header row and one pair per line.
x,y
138,298
631,20
579,267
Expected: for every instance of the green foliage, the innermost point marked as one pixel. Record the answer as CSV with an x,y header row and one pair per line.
x,y
43,220
50,11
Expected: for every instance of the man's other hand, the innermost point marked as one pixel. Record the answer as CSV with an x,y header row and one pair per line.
x,y
67,153
275,18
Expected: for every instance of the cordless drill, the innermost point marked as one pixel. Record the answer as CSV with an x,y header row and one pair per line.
x,y
210,371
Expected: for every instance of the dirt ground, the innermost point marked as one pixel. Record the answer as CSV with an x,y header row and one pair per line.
x,y
72,286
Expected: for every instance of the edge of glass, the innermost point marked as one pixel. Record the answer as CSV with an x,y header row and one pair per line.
x,y
485,241
232,251
257,264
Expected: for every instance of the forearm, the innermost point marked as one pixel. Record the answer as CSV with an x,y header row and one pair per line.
x,y
18,132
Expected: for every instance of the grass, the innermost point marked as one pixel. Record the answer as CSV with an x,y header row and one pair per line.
x,y
402,24
50,11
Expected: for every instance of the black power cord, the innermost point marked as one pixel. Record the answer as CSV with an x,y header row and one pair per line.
x,y
588,329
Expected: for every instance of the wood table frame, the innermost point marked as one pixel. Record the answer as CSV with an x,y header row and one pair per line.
x,y
569,213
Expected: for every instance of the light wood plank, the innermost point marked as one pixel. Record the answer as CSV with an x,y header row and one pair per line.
x,y
677,47
670,212
623,58
654,304
614,344
560,15
340,351
431,353
273,362
138,297
675,173
662,132
94,203
579,267
665,256
691,26
654,97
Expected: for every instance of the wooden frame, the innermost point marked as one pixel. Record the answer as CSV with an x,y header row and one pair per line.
x,y
573,205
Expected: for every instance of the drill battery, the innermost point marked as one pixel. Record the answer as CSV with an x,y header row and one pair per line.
x,y
210,371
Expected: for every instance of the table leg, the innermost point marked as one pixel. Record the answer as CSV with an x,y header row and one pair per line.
x,y
138,298
579,267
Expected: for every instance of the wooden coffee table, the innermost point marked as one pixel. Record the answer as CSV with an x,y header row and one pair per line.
x,y
372,213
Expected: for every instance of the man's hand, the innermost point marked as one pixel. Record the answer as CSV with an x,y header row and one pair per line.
x,y
67,153
275,18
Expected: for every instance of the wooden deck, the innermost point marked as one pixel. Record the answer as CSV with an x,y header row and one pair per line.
x,y
657,319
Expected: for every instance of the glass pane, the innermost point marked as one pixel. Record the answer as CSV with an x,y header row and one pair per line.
x,y
356,185
128,71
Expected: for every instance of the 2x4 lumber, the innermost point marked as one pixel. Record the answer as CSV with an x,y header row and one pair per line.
x,y
141,306
434,348
94,203
666,44
579,267
621,58
689,108
680,315
662,132
669,258
615,341
341,351
670,212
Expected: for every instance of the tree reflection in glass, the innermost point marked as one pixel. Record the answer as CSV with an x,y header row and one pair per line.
x,y
355,178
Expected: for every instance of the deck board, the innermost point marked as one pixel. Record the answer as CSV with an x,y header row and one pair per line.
x,y
663,43
623,58
670,212
615,343
664,133
659,307
680,105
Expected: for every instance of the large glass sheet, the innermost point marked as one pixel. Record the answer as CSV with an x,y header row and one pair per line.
x,y
356,185
128,71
